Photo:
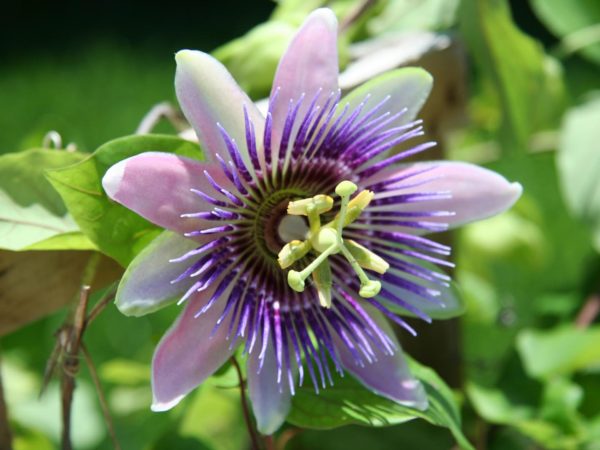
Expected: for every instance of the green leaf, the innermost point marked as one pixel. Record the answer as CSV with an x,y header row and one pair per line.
x,y
32,214
348,402
579,163
559,351
556,425
219,396
403,15
562,398
125,372
575,22
528,84
74,240
253,58
116,231
494,406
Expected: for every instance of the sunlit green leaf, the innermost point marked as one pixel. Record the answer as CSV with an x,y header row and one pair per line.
x,y
404,15
116,231
579,164
32,214
559,351
348,402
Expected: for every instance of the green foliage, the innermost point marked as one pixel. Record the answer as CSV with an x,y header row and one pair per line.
x,y
116,231
404,15
253,58
32,214
531,377
560,351
576,23
221,397
556,427
578,163
527,82
89,96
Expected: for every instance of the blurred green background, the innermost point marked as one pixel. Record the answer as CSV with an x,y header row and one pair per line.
x,y
517,91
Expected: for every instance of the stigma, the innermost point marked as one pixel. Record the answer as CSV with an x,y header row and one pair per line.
x,y
327,240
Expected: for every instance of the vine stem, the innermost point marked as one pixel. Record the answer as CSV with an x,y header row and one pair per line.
x,y
589,312
270,443
254,439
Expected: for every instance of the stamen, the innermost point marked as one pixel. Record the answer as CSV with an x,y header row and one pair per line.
x,y
326,240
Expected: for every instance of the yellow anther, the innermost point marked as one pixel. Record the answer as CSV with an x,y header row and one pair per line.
x,y
292,252
366,258
321,203
355,207
362,200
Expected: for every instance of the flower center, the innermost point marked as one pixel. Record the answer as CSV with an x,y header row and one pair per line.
x,y
270,231
274,226
291,228
327,240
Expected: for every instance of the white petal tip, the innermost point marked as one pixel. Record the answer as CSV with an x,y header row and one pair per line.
x,y
270,427
193,61
516,190
137,306
325,14
111,182
419,400
185,55
507,198
165,406
132,309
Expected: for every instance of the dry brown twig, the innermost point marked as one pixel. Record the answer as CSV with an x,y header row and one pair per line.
x,y
65,355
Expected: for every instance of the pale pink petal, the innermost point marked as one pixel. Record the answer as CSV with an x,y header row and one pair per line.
x,y
309,66
208,96
389,376
157,187
271,401
188,353
472,192
146,285
402,89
